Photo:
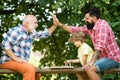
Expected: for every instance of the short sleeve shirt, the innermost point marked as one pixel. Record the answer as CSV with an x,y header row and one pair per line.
x,y
85,49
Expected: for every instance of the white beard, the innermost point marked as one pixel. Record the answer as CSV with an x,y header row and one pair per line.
x,y
32,29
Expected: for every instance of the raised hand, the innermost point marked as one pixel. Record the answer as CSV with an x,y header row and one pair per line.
x,y
55,20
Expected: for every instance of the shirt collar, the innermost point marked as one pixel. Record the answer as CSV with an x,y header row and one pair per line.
x,y
23,29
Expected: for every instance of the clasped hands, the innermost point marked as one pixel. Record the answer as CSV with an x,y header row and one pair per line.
x,y
56,21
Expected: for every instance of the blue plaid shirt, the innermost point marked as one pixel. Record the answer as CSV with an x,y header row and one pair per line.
x,y
20,42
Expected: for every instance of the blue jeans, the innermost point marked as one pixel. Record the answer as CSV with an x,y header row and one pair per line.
x,y
105,64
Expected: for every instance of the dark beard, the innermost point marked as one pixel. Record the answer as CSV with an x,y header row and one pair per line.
x,y
90,25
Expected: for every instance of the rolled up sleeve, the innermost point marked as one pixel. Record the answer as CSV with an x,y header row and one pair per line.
x,y
42,34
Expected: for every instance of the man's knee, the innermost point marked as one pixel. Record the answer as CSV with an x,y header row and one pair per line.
x,y
94,68
91,68
30,68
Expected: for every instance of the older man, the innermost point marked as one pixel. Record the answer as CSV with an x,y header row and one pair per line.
x,y
16,47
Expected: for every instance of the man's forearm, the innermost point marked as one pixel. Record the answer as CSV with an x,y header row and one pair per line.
x,y
96,55
14,57
51,30
65,27
11,54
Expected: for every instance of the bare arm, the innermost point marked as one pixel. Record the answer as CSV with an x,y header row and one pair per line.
x,y
14,57
84,59
75,61
95,57
63,26
53,27
72,61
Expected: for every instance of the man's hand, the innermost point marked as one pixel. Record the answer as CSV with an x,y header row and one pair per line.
x,y
14,57
20,60
56,21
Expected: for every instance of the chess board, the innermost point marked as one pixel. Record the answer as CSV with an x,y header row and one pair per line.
x,y
62,67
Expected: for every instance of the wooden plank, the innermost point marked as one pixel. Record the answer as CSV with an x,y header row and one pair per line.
x,y
113,71
6,71
48,70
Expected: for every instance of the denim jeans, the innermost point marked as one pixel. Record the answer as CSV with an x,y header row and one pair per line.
x,y
105,64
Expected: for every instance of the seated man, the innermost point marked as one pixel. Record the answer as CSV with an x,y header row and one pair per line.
x,y
17,44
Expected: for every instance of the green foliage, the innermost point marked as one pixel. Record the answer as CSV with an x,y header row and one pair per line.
x,y
111,77
57,48
10,77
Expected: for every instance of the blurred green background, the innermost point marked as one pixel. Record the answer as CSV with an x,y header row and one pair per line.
x,y
57,48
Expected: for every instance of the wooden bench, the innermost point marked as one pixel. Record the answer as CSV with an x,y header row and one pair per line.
x,y
58,71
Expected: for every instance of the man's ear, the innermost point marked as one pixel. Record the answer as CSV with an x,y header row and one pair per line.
x,y
27,24
94,18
